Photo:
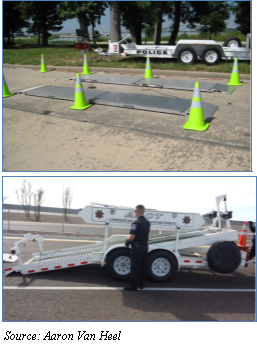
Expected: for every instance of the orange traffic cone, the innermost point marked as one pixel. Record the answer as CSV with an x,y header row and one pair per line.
x,y
242,240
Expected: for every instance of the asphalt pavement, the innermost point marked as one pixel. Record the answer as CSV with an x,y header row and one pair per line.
x,y
191,295
88,293
225,146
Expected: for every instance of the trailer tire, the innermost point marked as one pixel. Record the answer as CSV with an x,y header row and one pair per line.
x,y
119,264
186,55
232,42
210,56
161,266
224,257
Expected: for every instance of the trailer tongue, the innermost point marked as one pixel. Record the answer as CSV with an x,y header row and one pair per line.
x,y
176,232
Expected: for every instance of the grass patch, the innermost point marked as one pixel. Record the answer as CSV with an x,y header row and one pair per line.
x,y
66,55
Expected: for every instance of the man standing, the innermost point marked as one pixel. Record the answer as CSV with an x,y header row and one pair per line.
x,y
252,250
138,239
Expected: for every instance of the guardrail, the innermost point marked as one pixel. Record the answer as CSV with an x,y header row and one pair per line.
x,y
43,209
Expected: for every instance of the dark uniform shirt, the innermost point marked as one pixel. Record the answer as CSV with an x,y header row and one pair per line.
x,y
140,228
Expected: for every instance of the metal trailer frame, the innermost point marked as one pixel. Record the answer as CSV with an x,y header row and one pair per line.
x,y
174,241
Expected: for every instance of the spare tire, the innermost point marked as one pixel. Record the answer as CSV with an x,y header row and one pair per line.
x,y
232,42
224,257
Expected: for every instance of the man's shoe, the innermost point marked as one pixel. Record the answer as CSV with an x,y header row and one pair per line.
x,y
130,288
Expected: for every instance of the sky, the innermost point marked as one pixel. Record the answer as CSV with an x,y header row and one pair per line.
x,y
70,26
181,194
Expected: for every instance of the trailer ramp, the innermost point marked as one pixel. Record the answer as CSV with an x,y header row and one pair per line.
x,y
95,253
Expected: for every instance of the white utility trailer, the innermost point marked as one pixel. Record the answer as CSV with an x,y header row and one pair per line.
x,y
175,233
185,51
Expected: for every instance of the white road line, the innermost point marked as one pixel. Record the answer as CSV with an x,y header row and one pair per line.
x,y
121,289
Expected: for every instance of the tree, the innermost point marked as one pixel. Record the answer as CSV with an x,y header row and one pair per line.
x,y
242,11
115,32
44,16
25,196
96,35
135,16
38,200
176,22
87,12
12,20
159,8
35,28
67,196
209,15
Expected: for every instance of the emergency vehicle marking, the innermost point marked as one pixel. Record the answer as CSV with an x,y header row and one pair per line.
x,y
146,52
186,220
99,214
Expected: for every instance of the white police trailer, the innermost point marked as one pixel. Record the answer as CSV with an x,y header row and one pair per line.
x,y
176,233
185,51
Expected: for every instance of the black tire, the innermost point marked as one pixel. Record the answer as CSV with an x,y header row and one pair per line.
x,y
210,56
232,41
224,257
161,266
186,55
119,264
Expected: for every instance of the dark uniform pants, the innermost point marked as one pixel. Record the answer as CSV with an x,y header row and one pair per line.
x,y
252,251
138,266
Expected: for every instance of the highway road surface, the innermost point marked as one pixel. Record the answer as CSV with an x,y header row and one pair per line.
x,y
88,293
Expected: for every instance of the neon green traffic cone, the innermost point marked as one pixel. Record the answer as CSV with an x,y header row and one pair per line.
x,y
80,99
235,79
6,92
196,120
148,70
43,66
86,70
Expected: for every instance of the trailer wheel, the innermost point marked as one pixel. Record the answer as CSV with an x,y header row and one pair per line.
x,y
232,42
210,56
161,266
119,264
224,257
186,55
